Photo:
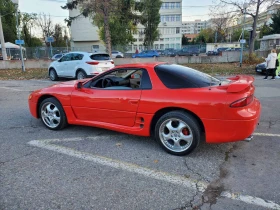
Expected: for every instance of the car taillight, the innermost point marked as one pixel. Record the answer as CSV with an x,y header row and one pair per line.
x,y
92,63
112,62
242,102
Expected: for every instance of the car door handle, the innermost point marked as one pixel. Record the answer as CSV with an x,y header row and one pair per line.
x,y
135,102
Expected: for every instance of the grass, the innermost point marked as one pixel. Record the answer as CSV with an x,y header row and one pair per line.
x,y
223,69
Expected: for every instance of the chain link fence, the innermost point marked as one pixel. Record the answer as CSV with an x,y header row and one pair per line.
x,y
128,51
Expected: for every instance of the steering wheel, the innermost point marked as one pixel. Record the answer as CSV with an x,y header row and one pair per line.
x,y
107,82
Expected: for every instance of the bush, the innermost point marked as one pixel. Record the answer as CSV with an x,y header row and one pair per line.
x,y
254,59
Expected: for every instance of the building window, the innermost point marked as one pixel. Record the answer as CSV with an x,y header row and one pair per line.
x,y
134,47
162,18
166,46
177,46
178,5
156,46
167,5
161,46
172,5
172,46
166,39
167,18
178,18
140,47
172,18
177,30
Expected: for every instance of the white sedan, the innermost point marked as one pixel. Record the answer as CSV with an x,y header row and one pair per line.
x,y
80,65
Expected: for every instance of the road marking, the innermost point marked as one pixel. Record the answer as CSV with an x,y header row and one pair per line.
x,y
14,89
266,134
251,200
49,144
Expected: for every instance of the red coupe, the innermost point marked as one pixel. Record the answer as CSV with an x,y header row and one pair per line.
x,y
177,105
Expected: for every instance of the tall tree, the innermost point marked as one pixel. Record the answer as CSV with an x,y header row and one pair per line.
x,y
208,34
7,12
185,40
44,22
150,19
275,25
59,39
104,9
253,8
28,21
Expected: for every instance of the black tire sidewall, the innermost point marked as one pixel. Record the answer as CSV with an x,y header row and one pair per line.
x,y
63,122
82,72
190,121
55,75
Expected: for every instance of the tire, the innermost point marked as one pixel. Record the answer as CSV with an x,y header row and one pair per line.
x,y
52,114
81,74
182,125
53,75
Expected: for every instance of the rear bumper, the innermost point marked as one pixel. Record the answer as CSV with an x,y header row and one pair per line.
x,y
222,131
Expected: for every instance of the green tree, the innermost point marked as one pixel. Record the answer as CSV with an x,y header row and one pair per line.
x,y
208,35
237,35
265,30
59,39
122,23
28,21
7,11
185,40
103,9
150,19
275,26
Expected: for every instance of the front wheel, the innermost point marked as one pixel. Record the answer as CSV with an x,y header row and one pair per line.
x,y
178,133
53,75
52,114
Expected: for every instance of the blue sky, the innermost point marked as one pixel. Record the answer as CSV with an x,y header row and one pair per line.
x,y
53,7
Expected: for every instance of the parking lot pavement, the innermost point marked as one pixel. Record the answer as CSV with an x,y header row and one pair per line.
x,y
91,168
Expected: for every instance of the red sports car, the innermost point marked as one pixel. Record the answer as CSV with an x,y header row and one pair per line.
x,y
177,105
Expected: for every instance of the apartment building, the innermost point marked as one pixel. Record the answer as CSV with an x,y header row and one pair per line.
x,y
193,27
84,35
169,28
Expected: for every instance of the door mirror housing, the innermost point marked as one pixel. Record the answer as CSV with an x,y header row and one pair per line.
x,y
79,85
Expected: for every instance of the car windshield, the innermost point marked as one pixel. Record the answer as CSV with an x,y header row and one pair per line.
x,y
100,57
175,76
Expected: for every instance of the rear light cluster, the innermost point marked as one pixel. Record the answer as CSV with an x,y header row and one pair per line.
x,y
242,102
96,63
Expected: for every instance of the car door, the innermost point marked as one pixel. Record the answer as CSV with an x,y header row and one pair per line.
x,y
71,63
62,65
115,105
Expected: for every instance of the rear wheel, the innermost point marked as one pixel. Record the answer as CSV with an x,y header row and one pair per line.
x,y
53,75
178,133
81,75
52,114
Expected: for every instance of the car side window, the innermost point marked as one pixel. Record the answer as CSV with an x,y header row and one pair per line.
x,y
66,58
77,57
123,79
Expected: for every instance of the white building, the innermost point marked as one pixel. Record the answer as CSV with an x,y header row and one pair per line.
x,y
193,27
84,36
169,28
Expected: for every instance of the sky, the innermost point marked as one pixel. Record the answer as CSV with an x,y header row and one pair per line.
x,y
192,9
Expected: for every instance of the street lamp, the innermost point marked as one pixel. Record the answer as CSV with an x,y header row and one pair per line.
x,y
245,6
16,2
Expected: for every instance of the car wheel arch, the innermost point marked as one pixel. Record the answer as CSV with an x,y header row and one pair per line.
x,y
40,100
165,110
80,69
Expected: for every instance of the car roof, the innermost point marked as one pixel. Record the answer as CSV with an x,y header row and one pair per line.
x,y
141,65
87,53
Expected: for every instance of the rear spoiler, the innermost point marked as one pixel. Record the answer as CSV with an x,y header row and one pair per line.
x,y
240,83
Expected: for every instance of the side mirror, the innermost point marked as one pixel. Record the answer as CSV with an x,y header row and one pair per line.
x,y
79,85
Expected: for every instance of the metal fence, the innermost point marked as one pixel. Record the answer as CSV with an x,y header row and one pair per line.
x,y
48,52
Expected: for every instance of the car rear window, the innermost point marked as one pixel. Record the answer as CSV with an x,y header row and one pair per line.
x,y
175,77
100,57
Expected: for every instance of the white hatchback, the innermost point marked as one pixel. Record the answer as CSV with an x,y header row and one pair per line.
x,y
80,65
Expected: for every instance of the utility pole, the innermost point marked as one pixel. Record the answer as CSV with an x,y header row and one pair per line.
x,y
3,47
245,6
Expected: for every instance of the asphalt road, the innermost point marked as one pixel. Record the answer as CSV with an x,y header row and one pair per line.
x,y
90,168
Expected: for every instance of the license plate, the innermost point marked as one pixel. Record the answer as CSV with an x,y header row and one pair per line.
x,y
259,70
